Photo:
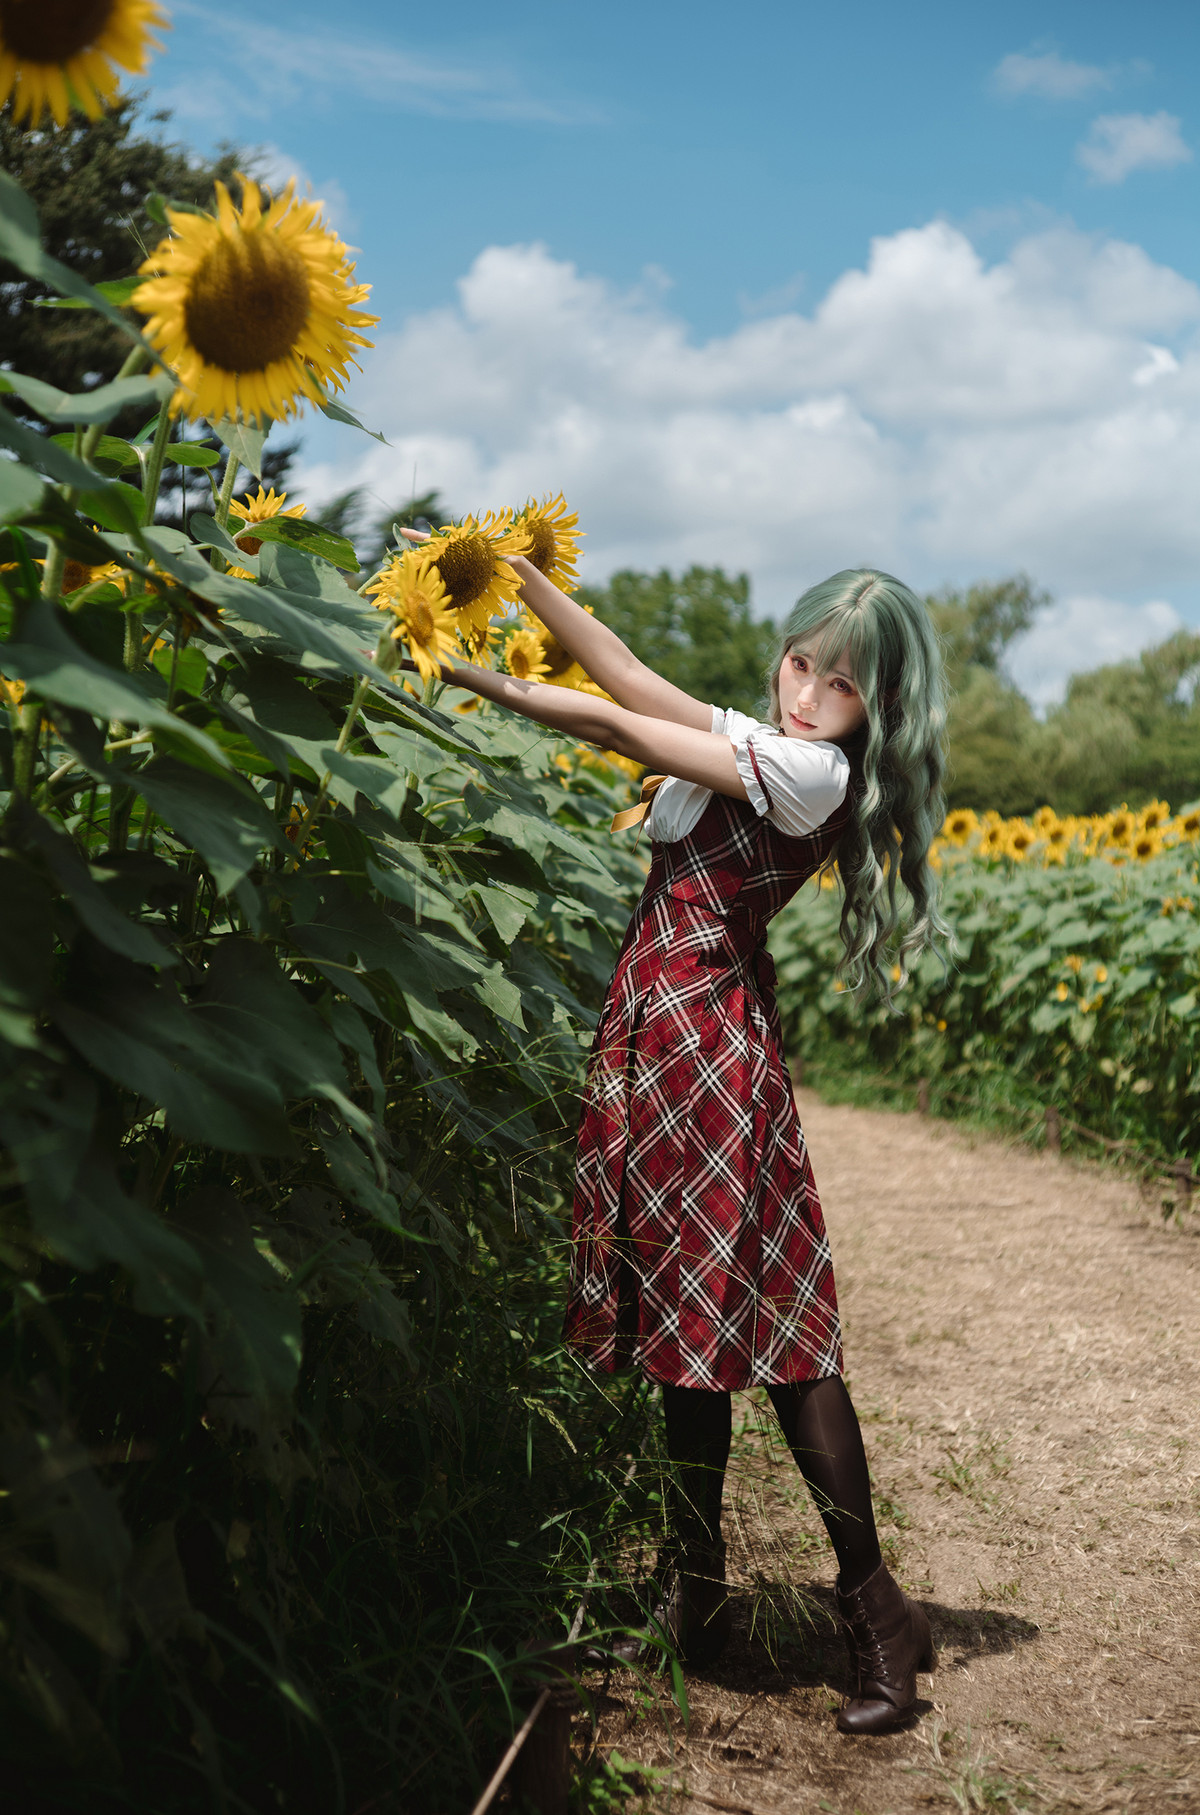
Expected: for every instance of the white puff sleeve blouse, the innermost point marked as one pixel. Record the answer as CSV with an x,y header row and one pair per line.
x,y
793,783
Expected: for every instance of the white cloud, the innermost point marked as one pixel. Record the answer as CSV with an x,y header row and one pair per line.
x,y
1047,75
278,66
937,415
1118,143
1085,631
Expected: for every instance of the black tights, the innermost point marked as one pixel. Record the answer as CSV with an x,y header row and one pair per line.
x,y
820,1427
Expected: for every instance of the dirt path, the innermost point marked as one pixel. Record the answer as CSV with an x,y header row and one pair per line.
x,y
1023,1344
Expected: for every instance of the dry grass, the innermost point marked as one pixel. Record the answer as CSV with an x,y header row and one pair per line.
x,y
1023,1343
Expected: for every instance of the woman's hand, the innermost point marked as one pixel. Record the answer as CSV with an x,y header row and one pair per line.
x,y
598,650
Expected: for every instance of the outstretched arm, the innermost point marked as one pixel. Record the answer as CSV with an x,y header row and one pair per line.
x,y
602,653
684,750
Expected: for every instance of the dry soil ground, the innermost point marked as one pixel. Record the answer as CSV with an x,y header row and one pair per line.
x,y
1023,1344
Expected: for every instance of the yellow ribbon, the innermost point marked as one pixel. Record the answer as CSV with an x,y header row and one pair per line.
x,y
633,816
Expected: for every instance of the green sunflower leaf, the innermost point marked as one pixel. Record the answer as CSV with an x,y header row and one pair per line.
x,y
109,455
244,443
20,491
116,290
337,412
224,820
310,538
89,407
190,453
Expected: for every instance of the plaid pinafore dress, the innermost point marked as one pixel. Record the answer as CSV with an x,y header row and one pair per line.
x,y
699,1248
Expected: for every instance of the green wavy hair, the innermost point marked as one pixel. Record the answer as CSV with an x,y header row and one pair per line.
x,y
896,764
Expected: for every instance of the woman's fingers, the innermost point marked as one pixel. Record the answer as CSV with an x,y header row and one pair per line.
x,y
415,535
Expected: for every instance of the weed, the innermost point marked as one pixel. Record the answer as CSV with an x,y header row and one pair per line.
x,y
973,1782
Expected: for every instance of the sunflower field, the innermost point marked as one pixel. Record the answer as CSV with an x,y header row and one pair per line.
x,y
1075,984
299,957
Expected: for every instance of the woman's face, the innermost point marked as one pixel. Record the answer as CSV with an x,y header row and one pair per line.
x,y
816,706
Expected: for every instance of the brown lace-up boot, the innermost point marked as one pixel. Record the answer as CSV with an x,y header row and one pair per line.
x,y
694,1613
889,1640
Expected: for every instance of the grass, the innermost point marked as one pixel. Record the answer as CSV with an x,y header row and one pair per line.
x,y
972,1781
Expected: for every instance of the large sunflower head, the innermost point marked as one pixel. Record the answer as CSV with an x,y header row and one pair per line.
x,y
255,310
472,559
524,656
411,589
554,538
261,509
59,53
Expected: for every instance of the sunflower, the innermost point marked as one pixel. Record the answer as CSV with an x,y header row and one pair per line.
x,y
1061,993
58,53
959,825
1188,824
77,574
1154,817
259,510
11,692
255,311
472,559
1146,845
411,589
554,539
1044,818
993,839
1020,842
524,656
1120,826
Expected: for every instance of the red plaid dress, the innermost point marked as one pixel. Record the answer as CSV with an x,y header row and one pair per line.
x,y
700,1252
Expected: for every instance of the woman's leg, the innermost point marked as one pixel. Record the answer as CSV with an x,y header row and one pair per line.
x,y
821,1429
887,1634
699,1426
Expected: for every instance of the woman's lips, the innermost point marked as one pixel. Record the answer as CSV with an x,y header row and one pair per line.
x,y
806,724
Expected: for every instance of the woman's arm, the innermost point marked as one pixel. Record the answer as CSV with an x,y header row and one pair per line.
x,y
676,749
602,653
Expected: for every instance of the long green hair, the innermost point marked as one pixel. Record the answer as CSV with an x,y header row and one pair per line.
x,y
896,764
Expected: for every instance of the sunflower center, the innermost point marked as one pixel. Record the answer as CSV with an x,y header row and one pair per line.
x,y
247,303
542,547
518,664
466,567
420,622
556,658
51,31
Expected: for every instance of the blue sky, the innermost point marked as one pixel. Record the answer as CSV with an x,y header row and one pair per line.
x,y
702,180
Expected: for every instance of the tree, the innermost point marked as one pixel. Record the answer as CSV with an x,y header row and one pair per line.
x,y
991,728
90,180
695,630
977,626
1127,731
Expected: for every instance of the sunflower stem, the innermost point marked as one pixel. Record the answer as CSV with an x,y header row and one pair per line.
x,y
152,475
26,733
134,652
227,485
344,735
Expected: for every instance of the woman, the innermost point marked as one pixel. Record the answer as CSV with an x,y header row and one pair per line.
x,y
700,1249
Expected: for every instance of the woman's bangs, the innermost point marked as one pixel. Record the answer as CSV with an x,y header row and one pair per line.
x,y
837,632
